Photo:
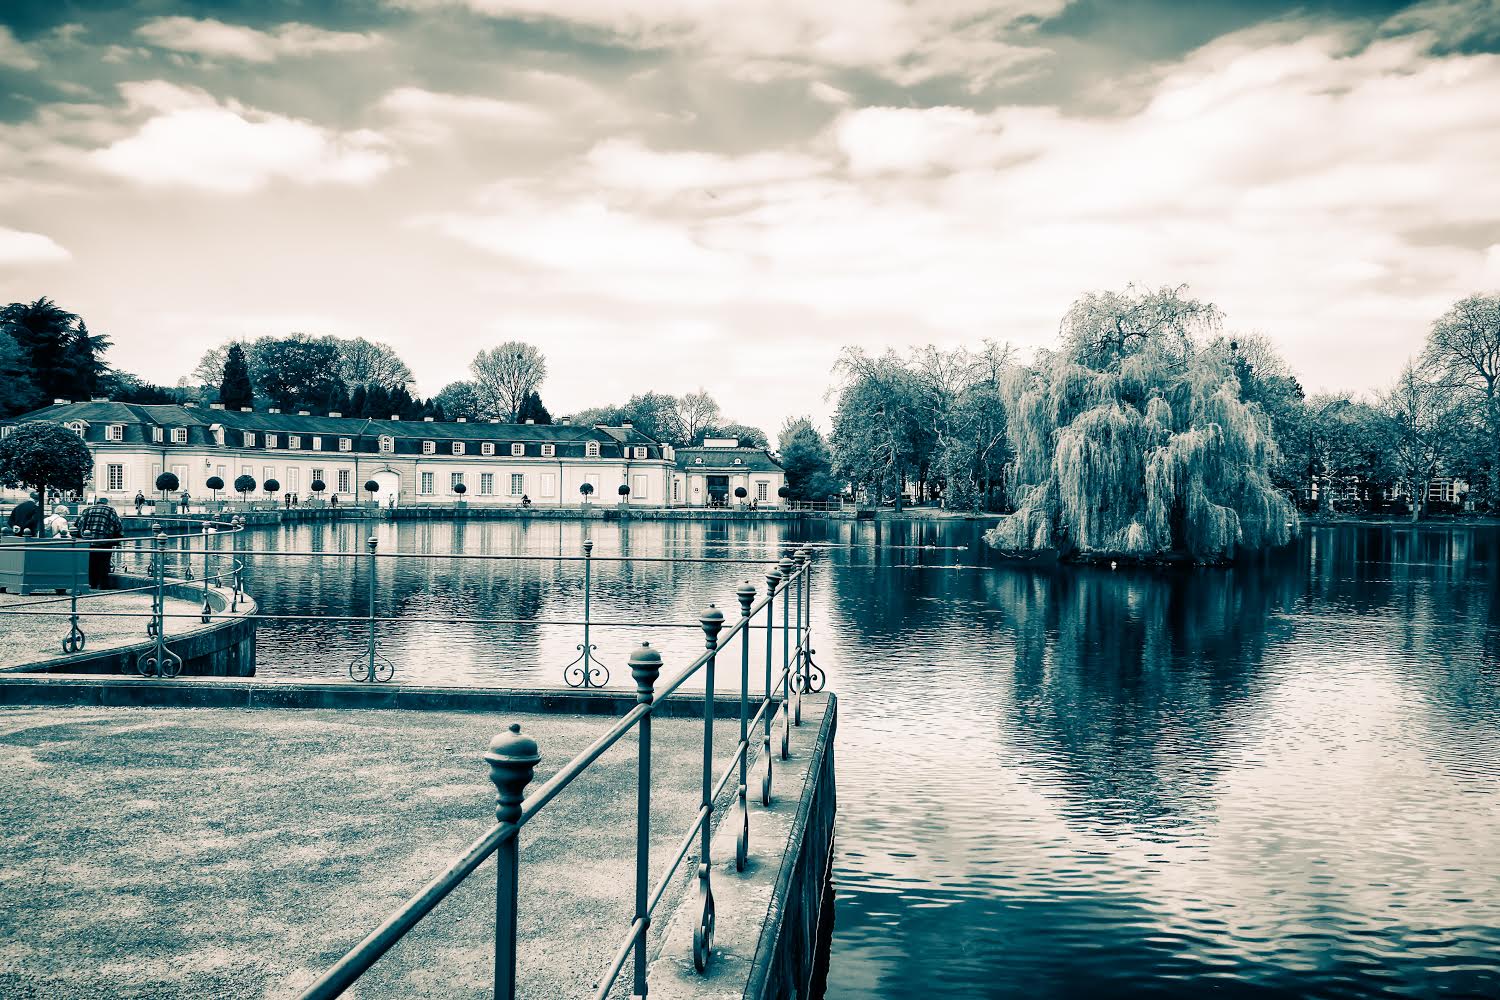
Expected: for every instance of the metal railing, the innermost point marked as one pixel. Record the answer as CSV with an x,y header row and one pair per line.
x,y
512,757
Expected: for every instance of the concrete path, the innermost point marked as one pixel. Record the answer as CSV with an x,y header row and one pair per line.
x,y
34,636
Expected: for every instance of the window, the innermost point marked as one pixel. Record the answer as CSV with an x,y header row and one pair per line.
x,y
549,450
387,444
638,488
518,449
676,491
294,440
458,447
78,427
346,444
249,439
269,474
179,435
698,460
455,480
317,443
591,450
739,461
762,490
114,478
114,432
640,452
488,448
427,483
429,447
549,484
318,475
486,484
158,435
517,484
345,485
270,440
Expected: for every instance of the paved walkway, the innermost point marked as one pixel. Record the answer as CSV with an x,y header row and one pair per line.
x,y
28,638
176,853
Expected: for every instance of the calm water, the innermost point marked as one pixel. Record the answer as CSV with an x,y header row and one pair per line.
x,y
1272,781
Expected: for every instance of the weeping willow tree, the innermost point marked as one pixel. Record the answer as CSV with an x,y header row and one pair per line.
x,y
1132,439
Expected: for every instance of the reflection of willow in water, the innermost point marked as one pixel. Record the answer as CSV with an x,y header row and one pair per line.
x,y
1129,685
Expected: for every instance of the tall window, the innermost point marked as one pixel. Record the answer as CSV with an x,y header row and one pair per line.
x,y
549,450
486,484
317,443
517,484
427,483
249,439
762,490
518,449
458,447
114,478
318,475
271,440
591,449
346,484
455,480
158,435
387,444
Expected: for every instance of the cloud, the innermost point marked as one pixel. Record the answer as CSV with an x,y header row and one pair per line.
x,y
828,94
19,247
905,42
213,39
626,166
430,117
14,54
191,140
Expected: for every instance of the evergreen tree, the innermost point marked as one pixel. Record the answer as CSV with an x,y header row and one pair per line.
x,y
533,410
44,332
235,391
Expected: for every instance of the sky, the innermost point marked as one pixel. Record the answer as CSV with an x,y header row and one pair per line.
x,y
665,195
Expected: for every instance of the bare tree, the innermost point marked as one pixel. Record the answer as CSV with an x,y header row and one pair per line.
x,y
210,368
363,363
505,374
696,411
1463,355
1420,425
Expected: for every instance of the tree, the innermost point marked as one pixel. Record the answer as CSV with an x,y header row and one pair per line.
x,y
214,484
235,390
44,332
123,387
624,491
1417,410
697,411
805,457
460,399
317,486
1463,356
244,486
878,438
363,364
18,393
166,483
505,375
533,410
655,415
740,493
749,437
1133,440
39,455
272,487
586,489
83,364
299,372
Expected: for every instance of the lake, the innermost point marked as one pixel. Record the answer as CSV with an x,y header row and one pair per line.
x,y
1276,780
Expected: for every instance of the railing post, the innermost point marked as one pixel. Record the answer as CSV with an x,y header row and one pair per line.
x,y
712,620
645,667
584,666
207,610
238,567
372,544
512,759
773,577
75,640
787,567
746,595
158,579
801,559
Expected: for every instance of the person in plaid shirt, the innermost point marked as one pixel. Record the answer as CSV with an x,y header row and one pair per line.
x,y
100,522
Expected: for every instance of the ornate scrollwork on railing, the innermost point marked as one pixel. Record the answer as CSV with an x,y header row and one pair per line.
x,y
158,662
812,679
585,671
75,639
378,671
703,929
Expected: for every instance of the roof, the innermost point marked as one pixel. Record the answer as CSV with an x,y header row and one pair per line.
x,y
749,459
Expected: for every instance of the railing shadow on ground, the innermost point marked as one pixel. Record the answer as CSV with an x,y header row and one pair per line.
x,y
512,756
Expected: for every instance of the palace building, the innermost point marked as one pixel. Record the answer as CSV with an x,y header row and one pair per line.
x,y
411,461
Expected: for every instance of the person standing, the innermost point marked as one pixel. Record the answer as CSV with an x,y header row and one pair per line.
x,y
140,502
102,526
186,501
26,517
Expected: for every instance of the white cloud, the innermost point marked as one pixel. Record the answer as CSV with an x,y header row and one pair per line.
x,y
431,117
624,165
20,247
216,40
14,54
907,42
192,140
828,93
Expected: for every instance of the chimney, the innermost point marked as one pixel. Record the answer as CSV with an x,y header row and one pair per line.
x,y
304,413
334,413
59,402
427,420
494,420
395,416
626,424
190,405
529,420
99,399
274,409
462,420
247,409
567,421
216,406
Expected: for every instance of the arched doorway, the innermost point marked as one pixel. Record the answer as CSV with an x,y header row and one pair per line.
x,y
389,494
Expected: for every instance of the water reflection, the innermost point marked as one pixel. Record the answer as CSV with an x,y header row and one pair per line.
x,y
1281,779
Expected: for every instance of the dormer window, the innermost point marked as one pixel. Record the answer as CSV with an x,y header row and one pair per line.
x,y
346,444
387,444
158,435
317,443
739,461
640,452
518,449
179,435
294,440
458,447
249,439
78,427
591,449
488,448
698,460
429,447
114,432
549,450
270,440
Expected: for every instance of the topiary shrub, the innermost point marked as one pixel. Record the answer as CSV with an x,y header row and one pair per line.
x,y
214,483
317,486
167,483
38,455
245,485
272,486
